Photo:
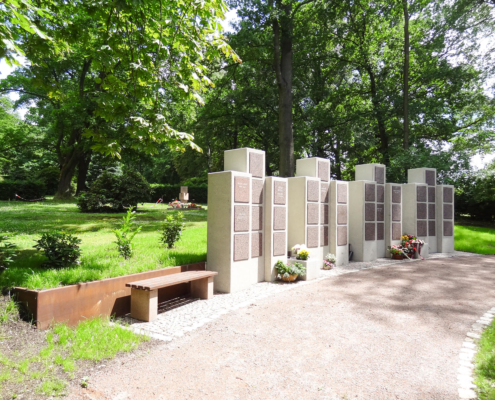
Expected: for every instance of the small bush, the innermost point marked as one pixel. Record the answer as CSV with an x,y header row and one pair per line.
x,y
61,248
172,229
90,202
126,234
50,177
284,270
7,252
29,189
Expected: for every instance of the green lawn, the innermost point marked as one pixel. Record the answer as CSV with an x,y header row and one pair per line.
x,y
485,364
475,239
99,255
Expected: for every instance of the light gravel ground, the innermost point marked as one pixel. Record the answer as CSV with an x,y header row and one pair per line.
x,y
389,332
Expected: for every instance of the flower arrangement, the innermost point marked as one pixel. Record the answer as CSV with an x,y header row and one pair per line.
x,y
329,261
408,247
175,204
297,248
289,272
302,254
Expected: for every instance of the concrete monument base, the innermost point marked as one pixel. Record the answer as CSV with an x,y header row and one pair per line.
x,y
313,268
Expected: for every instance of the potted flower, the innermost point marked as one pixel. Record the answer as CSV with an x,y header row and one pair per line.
x,y
329,261
397,251
289,272
302,254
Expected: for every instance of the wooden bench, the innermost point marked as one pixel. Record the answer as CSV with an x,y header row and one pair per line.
x,y
144,294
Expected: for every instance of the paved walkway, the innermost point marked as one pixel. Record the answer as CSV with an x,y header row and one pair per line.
x,y
391,332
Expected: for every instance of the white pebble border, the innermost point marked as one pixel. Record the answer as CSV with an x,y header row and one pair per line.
x,y
468,351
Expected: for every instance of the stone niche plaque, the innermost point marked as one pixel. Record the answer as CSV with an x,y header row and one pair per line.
x,y
448,228
380,212
421,208
430,177
279,218
431,194
431,228
312,233
448,195
257,191
421,227
380,175
241,189
369,192
380,193
421,193
256,244
396,231
448,211
313,190
369,231
241,218
280,192
341,193
342,236
241,247
324,193
431,211
380,231
396,194
313,214
256,218
396,212
324,235
279,247
341,215
323,171
256,164
369,211
324,214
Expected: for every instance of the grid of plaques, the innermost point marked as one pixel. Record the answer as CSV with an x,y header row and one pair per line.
x,y
448,211
279,218
342,209
396,212
421,210
370,211
380,202
256,167
242,200
431,180
324,213
313,212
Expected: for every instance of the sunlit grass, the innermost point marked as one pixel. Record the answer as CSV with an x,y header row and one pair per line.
x,y
485,364
475,239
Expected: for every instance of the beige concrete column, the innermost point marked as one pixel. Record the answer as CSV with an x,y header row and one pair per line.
x,y
144,304
338,196
445,218
415,213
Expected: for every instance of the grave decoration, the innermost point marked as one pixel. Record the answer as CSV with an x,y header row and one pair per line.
x,y
183,202
254,221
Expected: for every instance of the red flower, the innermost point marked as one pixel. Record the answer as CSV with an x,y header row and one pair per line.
x,y
415,249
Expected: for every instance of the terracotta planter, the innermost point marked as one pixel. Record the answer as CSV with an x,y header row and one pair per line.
x,y
397,256
290,278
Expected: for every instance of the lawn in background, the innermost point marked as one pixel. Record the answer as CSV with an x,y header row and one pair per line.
x,y
99,260
475,239
485,364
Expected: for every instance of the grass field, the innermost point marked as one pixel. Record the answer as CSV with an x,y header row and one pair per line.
x,y
475,239
485,364
26,221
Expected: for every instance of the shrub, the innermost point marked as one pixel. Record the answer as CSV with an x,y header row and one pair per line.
x,y
284,270
172,229
50,177
126,234
7,252
61,248
28,189
88,202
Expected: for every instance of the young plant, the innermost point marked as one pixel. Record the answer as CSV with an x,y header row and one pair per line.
x,y
172,229
285,270
329,261
7,252
61,248
303,254
126,234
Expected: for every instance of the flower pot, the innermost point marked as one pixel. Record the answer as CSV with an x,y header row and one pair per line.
x,y
397,256
290,278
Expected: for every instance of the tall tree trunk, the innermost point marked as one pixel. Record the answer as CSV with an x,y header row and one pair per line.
x,y
282,43
66,173
406,75
82,173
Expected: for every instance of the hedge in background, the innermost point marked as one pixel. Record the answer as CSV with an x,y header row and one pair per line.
x,y
29,189
197,194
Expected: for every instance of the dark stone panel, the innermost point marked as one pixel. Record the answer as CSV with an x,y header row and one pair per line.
x,y
279,192
342,193
313,217
241,218
448,195
369,211
396,194
324,235
369,192
396,212
369,231
431,228
279,218
323,170
421,207
341,235
257,191
448,211
431,194
431,211
430,177
421,227
241,247
380,212
342,214
324,214
256,164
241,189
256,218
279,247
448,228
256,244
396,231
380,194
324,192
421,193
312,236
380,231
380,175
313,190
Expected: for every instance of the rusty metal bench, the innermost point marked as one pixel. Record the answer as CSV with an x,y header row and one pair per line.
x,y
144,294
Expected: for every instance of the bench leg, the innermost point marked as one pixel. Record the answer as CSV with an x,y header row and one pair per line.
x,y
144,304
202,288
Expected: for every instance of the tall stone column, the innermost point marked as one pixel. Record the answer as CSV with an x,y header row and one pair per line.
x,y
445,218
339,220
415,212
393,214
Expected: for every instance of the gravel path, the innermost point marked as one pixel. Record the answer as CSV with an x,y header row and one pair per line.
x,y
390,332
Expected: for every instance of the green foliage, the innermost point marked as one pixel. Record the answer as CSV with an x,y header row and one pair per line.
x,y
475,194
286,269
172,229
61,248
475,239
125,234
49,176
7,252
197,194
9,311
485,364
28,189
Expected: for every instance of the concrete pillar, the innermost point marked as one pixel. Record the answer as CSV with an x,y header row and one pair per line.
x,y
415,213
339,220
393,214
445,218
